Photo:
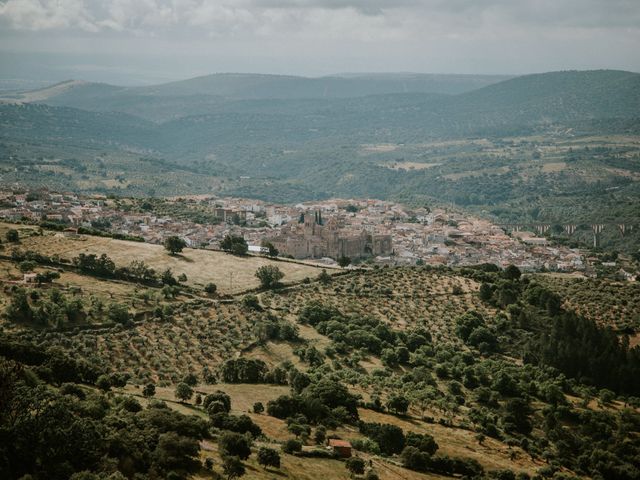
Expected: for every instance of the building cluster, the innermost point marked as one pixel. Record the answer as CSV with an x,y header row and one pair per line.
x,y
311,237
372,230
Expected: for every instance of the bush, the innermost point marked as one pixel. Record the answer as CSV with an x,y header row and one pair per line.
x,y
414,459
234,244
232,466
292,446
221,398
12,235
149,390
268,457
235,444
174,244
389,438
355,465
103,383
183,392
269,276
239,424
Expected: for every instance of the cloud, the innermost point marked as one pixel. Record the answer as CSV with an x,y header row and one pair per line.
x,y
331,35
154,17
47,15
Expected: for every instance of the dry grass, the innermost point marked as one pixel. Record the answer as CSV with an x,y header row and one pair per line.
x,y
457,442
554,167
230,273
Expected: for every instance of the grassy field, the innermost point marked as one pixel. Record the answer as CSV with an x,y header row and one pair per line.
x,y
232,274
491,454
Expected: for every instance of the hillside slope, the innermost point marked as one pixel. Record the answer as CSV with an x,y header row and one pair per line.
x,y
517,106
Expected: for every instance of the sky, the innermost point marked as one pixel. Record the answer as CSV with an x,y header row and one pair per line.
x,y
134,42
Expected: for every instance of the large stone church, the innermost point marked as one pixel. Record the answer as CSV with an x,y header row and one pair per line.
x,y
311,238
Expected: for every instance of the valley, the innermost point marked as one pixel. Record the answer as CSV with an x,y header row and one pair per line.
x,y
400,276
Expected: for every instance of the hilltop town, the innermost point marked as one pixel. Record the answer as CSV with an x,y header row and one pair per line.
x,y
364,231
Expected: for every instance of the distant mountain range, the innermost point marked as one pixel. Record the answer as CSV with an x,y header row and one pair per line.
x,y
203,94
190,118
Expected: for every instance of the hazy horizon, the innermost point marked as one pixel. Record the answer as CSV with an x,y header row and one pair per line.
x,y
130,42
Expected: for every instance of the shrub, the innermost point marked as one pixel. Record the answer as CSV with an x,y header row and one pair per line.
x,y
389,438
235,444
355,465
268,457
183,392
269,276
292,446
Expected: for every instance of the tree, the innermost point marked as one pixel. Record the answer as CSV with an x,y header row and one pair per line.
x,y
512,272
27,266
103,383
324,278
251,302
19,309
390,438
517,416
414,459
167,278
244,370
258,407
12,235
344,261
398,404
268,457
355,465
269,276
486,292
272,251
190,379
118,313
422,441
174,244
291,446
232,467
320,435
234,244
235,444
183,392
176,451
218,397
149,390
210,288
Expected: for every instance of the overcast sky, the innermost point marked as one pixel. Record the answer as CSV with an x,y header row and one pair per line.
x,y
145,41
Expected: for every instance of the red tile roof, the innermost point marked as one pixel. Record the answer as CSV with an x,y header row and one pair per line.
x,y
334,442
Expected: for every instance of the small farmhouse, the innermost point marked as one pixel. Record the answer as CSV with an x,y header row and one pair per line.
x,y
340,447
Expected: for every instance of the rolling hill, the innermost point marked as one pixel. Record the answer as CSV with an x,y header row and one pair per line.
x,y
516,106
209,93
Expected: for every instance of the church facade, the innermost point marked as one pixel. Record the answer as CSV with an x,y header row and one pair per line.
x,y
313,239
